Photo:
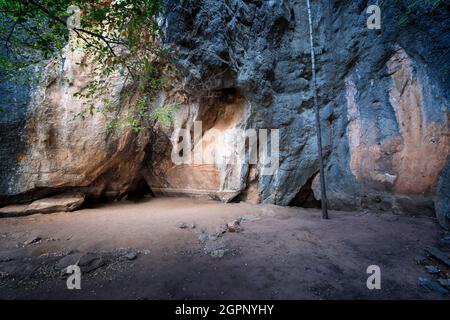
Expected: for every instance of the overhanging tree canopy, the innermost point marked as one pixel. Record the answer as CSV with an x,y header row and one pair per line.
x,y
121,35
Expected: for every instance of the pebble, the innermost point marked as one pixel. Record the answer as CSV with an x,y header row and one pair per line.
x,y
234,226
432,269
218,253
32,240
221,229
183,225
131,255
444,282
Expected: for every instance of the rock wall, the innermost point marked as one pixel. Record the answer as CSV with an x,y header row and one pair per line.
x,y
50,148
383,93
384,97
216,174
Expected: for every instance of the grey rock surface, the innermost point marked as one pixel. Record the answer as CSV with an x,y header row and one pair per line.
x,y
384,97
383,93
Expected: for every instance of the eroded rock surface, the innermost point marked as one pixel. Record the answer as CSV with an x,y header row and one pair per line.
x,y
384,97
57,145
60,203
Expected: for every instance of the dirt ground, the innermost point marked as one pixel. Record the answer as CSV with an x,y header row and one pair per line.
x,y
175,248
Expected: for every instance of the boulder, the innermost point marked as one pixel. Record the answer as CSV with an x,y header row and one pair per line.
x,y
54,144
61,203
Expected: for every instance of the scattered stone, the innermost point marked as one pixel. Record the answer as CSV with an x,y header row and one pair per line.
x,y
87,259
90,262
432,269
32,240
202,237
444,282
69,260
234,226
61,203
212,248
432,285
212,237
438,254
446,239
217,253
146,252
183,225
6,259
131,255
249,218
220,230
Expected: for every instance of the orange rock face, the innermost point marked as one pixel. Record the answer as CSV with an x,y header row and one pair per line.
x,y
66,151
417,155
213,170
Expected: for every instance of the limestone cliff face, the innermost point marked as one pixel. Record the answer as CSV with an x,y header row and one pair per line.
x,y
384,94
54,148
384,97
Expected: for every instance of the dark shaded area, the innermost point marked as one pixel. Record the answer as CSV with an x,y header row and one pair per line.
x,y
305,197
14,101
443,198
139,190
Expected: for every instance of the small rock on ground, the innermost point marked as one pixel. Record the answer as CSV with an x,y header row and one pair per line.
x,y
432,269
444,282
90,262
432,285
438,254
131,255
217,253
234,226
184,225
32,240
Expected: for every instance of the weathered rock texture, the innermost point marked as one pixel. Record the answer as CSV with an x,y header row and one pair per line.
x,y
49,147
384,94
60,203
384,97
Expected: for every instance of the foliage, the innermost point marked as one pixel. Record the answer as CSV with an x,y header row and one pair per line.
x,y
122,36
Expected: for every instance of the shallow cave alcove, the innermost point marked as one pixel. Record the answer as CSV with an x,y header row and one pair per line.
x,y
305,197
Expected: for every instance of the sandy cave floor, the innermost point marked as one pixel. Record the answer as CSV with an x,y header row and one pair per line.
x,y
171,248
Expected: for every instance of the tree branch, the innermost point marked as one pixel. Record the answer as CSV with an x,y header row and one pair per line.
x,y
77,30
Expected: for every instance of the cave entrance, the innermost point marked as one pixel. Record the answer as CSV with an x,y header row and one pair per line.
x,y
305,197
140,190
